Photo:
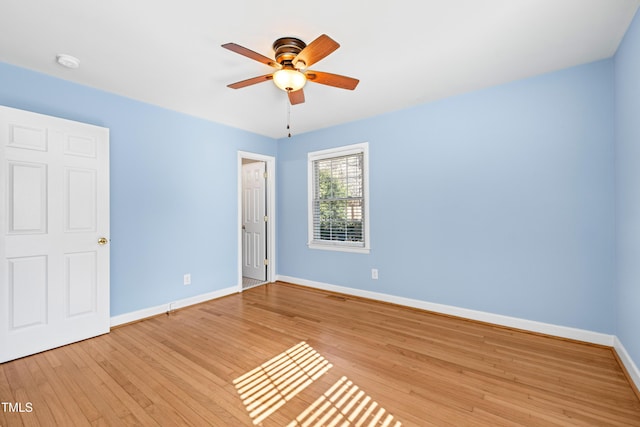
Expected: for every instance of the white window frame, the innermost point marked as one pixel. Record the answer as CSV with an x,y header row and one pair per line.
x,y
326,154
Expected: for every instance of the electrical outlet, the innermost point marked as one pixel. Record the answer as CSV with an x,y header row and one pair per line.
x,y
187,279
374,273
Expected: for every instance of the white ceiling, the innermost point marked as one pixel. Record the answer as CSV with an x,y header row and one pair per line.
x,y
405,52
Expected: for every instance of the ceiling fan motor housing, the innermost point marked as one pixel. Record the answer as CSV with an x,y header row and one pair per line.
x,y
287,48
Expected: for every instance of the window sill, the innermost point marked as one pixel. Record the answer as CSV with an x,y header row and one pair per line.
x,y
338,248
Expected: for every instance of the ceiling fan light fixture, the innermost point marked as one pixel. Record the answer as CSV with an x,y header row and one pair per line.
x,y
289,80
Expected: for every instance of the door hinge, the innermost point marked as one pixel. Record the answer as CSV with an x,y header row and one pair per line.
x,y
266,262
266,218
265,175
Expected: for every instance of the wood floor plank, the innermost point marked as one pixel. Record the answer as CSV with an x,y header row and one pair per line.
x,y
28,386
109,399
153,380
284,355
195,394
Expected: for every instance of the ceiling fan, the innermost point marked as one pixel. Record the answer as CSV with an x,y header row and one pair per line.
x,y
292,59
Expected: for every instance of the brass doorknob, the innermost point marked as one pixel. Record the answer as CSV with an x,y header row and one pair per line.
x,y
103,241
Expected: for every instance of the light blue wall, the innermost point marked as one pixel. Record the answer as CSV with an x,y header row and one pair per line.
x,y
627,77
501,200
173,188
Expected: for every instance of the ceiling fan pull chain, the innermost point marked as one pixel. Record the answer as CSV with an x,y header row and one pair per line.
x,y
289,118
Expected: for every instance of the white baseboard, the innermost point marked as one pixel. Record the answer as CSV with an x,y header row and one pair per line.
x,y
163,308
628,363
512,322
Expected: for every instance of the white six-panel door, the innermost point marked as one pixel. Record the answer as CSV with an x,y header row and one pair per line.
x,y
253,220
54,223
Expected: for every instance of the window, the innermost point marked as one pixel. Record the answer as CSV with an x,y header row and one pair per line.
x,y
338,199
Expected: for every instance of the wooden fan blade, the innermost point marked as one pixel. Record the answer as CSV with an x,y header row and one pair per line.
x,y
251,81
315,51
296,97
251,54
335,80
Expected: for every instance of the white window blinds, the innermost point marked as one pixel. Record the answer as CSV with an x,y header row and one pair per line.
x,y
338,200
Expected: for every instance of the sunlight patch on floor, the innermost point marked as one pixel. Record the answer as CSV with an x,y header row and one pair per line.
x,y
266,388
344,404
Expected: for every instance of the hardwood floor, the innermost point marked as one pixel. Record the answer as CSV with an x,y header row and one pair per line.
x,y
283,355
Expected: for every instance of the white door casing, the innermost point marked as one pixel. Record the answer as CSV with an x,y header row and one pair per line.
x,y
54,223
253,220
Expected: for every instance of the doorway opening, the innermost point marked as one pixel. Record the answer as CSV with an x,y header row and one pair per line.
x,y
256,220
